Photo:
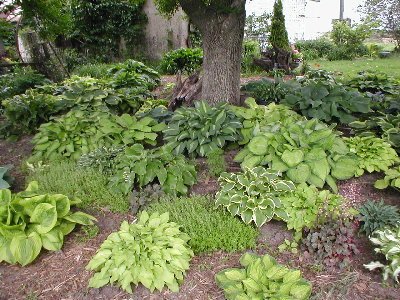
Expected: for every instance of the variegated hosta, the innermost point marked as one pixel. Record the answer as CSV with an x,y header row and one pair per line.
x,y
388,242
254,195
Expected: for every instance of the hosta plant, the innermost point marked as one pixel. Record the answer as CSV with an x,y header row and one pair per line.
x,y
387,126
377,215
262,278
138,167
328,103
152,251
101,159
305,151
30,221
305,205
373,154
5,177
254,195
80,132
256,117
388,244
201,129
374,82
392,178
331,243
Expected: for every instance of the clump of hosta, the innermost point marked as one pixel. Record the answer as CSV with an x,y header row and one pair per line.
x,y
101,159
142,198
377,215
374,154
305,151
30,220
388,244
262,278
305,205
153,252
392,178
254,195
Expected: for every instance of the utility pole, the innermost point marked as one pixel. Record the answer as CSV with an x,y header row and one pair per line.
x,y
341,9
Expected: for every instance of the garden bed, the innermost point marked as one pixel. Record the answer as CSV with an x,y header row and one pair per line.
x,y
62,274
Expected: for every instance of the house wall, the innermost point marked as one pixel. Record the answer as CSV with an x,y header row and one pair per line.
x,y
162,34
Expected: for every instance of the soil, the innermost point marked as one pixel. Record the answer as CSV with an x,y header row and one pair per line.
x,y
62,274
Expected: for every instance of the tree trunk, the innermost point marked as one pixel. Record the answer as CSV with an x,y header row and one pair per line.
x,y
222,30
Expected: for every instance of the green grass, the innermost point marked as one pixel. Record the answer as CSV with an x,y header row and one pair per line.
x,y
390,66
98,71
86,184
209,229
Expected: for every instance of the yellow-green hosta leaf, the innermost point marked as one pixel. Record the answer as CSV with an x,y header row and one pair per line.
x,y
80,218
292,158
53,240
45,217
26,248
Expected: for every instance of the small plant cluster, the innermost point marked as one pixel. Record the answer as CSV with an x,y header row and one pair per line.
x,y
305,151
257,117
388,244
101,159
331,243
149,194
376,216
373,154
5,177
152,251
184,60
254,195
328,103
216,162
209,229
138,167
392,178
374,82
266,91
202,129
262,278
30,221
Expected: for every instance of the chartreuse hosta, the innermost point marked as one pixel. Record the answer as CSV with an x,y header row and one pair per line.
x,y
202,129
388,244
254,195
392,178
306,151
262,278
30,221
153,252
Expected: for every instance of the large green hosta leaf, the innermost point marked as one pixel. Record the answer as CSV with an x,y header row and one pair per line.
x,y
45,217
26,248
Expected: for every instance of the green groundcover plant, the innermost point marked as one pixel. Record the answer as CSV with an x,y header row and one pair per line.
x,y
305,151
388,244
376,216
30,221
373,154
201,129
392,178
209,229
254,195
152,251
262,278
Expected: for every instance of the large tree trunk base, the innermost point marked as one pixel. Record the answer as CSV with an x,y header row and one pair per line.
x,y
186,92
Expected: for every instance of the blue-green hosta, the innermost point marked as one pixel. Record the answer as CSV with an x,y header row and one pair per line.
x,y
201,129
153,252
388,244
5,178
374,154
30,221
256,117
262,278
305,151
254,195
141,167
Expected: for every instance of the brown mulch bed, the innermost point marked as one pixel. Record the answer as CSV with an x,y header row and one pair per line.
x,y
62,274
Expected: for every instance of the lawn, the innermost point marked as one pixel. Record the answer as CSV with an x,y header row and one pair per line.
x,y
391,65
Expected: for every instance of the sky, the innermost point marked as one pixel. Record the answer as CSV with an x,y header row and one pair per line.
x,y
319,15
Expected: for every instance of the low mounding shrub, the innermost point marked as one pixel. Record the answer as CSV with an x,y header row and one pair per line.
x,y
87,184
30,220
313,49
250,50
152,251
209,229
185,60
18,81
262,278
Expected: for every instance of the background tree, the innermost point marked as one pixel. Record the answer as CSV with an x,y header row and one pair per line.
x,y
221,23
279,36
388,13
